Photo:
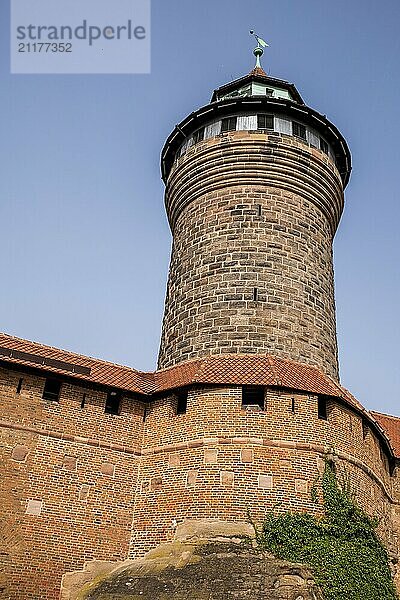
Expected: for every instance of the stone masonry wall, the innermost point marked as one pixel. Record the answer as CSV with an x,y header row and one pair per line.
x,y
396,520
79,485
253,218
220,460
68,483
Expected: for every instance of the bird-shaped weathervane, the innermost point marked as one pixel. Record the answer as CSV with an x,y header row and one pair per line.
x,y
258,52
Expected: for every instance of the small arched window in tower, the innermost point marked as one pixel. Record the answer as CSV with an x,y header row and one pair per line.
x,y
293,405
228,124
253,396
113,403
181,401
322,408
83,401
265,121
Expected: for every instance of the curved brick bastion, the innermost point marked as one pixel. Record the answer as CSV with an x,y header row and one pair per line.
x,y
223,460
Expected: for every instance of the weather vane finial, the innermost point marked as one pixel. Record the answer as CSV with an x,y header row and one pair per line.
x,y
258,52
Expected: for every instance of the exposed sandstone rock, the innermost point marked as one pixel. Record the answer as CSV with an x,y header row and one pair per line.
x,y
207,561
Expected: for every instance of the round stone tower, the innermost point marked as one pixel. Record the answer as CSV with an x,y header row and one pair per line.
x,y
254,194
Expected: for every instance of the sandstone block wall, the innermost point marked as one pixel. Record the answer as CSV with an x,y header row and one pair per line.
x,y
253,218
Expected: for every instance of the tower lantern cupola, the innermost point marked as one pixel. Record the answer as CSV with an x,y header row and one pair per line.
x,y
257,83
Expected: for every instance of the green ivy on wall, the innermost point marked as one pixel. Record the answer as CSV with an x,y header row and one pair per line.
x,y
342,547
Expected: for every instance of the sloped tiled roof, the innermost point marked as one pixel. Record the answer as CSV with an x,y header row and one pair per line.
x,y
81,367
235,369
391,426
230,369
248,369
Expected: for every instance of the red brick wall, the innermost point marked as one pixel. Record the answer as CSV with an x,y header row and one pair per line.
x,y
219,460
396,520
84,493
81,485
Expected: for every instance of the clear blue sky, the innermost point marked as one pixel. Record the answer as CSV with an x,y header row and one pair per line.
x,y
85,243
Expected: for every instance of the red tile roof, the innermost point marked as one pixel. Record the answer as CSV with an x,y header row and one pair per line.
x,y
101,372
237,369
391,426
234,369
258,71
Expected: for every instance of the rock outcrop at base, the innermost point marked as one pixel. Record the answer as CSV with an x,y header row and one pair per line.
x,y
208,560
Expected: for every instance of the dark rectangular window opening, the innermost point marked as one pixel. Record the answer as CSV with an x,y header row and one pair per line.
x,y
265,121
269,92
322,408
253,395
259,210
145,411
19,386
113,403
364,429
228,124
293,405
181,401
83,401
51,390
255,294
323,145
198,136
299,130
